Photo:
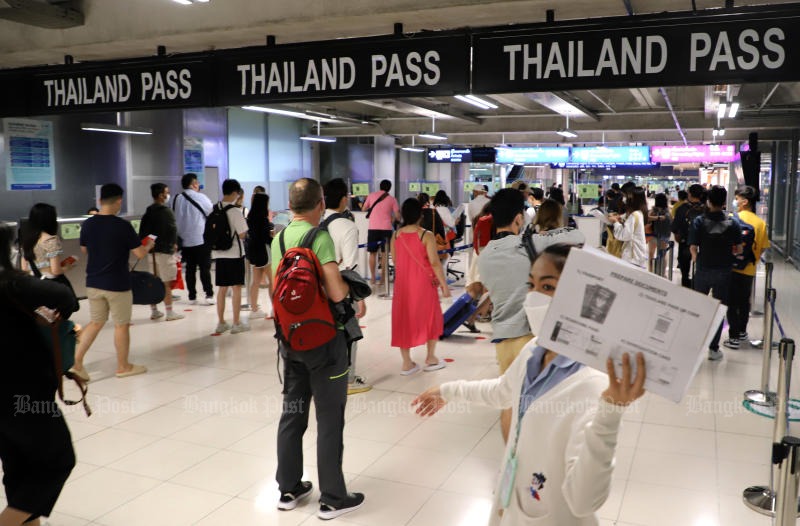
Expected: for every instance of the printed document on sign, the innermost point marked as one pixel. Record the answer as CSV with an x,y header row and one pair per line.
x,y
605,307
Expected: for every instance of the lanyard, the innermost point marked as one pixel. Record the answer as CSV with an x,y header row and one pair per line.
x,y
520,413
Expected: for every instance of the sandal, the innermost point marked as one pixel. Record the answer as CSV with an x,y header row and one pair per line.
x,y
133,371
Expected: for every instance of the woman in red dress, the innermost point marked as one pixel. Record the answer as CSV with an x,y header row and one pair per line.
x,y
416,313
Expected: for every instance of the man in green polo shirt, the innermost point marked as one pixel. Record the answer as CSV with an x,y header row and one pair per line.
x,y
319,373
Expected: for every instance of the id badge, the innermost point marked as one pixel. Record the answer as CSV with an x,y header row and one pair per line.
x,y
507,482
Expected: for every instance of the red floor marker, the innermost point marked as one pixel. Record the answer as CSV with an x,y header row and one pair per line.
x,y
480,337
362,326
187,310
449,360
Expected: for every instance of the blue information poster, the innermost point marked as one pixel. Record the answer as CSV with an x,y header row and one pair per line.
x,y
29,161
193,158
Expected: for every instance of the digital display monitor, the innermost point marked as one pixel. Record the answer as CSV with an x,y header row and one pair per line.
x,y
617,155
699,153
604,165
506,155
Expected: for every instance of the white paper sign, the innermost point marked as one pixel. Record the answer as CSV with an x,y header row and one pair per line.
x,y
605,307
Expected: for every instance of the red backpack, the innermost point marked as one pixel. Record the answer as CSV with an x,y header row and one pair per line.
x,y
303,317
482,233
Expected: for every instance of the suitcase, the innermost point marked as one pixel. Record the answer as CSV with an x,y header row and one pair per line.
x,y
461,309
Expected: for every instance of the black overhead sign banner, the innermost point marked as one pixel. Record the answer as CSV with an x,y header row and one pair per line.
x,y
13,96
668,50
345,69
155,83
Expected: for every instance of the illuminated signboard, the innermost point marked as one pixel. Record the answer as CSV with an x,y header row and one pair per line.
x,y
461,155
700,153
532,155
618,155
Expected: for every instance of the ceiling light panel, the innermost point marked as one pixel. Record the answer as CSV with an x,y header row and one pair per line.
x,y
553,102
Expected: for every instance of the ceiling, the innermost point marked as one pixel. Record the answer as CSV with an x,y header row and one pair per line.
x,y
119,29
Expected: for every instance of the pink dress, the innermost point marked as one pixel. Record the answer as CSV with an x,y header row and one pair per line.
x,y
416,313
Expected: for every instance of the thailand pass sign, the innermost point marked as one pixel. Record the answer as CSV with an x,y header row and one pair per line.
x,y
339,69
742,46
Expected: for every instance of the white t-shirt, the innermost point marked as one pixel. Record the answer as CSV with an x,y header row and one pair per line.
x,y
345,240
238,226
475,206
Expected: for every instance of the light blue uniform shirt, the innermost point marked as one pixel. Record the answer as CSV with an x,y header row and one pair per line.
x,y
538,382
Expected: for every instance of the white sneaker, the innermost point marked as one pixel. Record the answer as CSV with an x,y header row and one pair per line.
x,y
172,316
193,302
222,327
240,327
257,315
210,300
156,314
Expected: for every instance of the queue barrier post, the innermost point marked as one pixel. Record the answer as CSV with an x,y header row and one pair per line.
x,y
763,499
764,396
786,508
769,268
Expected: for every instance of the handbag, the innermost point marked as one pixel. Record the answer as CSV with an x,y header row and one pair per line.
x,y
146,288
61,337
613,245
60,278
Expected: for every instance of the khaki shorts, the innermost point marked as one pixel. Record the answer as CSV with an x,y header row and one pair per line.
x,y
507,350
166,266
103,302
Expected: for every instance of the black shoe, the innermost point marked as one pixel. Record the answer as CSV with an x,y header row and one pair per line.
x,y
471,327
289,500
351,503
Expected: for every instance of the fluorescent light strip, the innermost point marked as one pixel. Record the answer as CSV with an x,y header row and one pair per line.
x,y
289,113
111,128
734,110
567,133
721,110
434,136
475,101
317,138
412,149
183,2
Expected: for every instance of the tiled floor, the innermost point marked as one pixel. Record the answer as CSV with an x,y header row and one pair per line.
x,y
193,441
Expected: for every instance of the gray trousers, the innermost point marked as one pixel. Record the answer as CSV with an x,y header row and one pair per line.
x,y
320,374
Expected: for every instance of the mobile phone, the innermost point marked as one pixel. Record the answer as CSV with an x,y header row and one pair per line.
x,y
47,314
69,260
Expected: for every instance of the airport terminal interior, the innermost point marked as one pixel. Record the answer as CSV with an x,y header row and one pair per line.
x,y
455,95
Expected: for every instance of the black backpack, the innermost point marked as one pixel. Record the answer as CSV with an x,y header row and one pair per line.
x,y
217,234
747,255
693,211
712,235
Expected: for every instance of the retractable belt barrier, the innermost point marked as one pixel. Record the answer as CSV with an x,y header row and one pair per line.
x,y
780,498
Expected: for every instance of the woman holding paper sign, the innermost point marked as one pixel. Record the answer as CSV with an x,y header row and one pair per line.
x,y
558,463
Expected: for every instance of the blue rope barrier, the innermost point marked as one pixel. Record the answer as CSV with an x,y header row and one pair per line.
x,y
777,319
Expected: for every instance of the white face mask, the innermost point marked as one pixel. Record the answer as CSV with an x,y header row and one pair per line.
x,y
166,199
536,305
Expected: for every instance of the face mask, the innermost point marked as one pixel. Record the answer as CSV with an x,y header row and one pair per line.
x,y
536,305
166,199
735,205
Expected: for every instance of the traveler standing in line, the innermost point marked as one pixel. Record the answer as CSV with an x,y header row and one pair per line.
x,y
660,220
684,217
35,444
714,240
559,464
479,200
683,196
41,246
535,200
630,228
108,241
259,239
344,234
416,313
158,220
319,373
742,280
549,228
230,263
382,210
504,266
191,209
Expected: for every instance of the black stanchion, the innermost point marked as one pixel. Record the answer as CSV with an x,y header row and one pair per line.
x,y
763,499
